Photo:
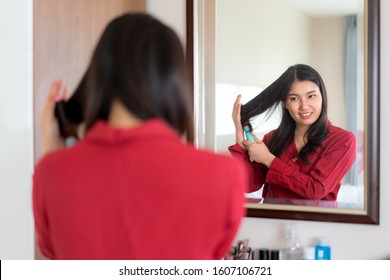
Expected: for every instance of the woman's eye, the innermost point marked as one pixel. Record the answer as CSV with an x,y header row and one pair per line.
x,y
312,95
293,98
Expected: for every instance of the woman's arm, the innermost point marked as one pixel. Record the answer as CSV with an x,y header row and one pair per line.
x,y
38,253
51,139
236,182
255,172
236,115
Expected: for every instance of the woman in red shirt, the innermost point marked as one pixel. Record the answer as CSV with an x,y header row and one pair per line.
x,y
306,157
132,187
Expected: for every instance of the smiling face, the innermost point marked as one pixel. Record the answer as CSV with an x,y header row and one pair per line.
x,y
304,103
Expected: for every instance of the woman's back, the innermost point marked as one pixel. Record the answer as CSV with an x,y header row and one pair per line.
x,y
137,194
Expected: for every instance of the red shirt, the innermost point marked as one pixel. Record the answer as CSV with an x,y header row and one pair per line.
x,y
290,177
139,193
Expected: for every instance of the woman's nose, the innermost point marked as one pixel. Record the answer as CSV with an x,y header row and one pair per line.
x,y
304,103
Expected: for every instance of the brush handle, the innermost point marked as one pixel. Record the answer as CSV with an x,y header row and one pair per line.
x,y
248,134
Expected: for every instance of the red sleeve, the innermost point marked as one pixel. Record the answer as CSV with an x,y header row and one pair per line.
x,y
325,174
40,217
255,171
235,208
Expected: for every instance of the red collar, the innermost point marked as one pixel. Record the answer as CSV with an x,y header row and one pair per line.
x,y
102,132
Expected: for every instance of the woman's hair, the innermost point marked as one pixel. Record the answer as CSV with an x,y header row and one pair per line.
x,y
140,62
277,93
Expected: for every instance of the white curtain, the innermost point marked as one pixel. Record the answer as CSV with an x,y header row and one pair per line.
x,y
350,85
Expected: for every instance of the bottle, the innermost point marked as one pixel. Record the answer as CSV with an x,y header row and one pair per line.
x,y
322,250
308,253
274,254
248,134
291,249
263,254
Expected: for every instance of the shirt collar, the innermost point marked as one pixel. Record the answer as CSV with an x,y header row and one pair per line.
x,y
330,126
102,132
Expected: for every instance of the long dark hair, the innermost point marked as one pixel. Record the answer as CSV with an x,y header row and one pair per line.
x,y
140,62
274,95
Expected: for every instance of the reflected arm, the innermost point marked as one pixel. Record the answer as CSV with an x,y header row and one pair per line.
x,y
256,171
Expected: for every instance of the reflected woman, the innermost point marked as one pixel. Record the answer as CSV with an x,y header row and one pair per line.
x,y
306,157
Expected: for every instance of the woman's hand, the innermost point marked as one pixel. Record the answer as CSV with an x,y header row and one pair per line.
x,y
258,152
49,126
236,115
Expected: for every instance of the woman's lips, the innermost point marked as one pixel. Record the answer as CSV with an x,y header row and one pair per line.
x,y
306,115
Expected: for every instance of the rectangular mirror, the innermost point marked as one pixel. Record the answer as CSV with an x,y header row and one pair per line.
x,y
242,46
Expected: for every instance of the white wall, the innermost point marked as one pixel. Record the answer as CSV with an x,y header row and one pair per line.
x,y
327,57
16,146
349,241
243,49
172,13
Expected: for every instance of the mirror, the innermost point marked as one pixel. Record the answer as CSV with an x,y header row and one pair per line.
x,y
225,52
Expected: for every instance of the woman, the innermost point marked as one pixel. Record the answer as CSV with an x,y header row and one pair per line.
x,y
131,187
306,157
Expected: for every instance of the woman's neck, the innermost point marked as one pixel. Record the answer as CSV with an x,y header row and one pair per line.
x,y
300,131
120,117
300,137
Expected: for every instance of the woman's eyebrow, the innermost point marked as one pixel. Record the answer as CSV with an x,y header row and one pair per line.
x,y
292,93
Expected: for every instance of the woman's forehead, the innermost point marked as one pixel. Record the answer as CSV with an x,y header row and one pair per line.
x,y
303,87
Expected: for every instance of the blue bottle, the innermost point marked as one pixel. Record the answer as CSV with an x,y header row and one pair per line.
x,y
248,134
322,250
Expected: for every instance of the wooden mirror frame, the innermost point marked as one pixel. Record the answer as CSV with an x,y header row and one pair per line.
x,y
372,126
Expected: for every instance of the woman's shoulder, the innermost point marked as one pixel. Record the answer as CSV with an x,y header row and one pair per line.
x,y
336,130
207,159
220,168
49,166
337,133
59,159
211,156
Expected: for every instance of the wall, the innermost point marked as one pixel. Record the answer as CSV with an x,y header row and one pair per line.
x,y
16,141
242,29
349,241
324,31
172,13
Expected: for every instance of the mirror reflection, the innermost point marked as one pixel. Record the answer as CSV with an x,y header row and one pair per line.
x,y
256,41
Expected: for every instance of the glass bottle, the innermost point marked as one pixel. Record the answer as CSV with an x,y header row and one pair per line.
x,y
291,249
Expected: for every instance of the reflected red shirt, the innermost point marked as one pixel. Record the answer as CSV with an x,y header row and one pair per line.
x,y
291,177
139,193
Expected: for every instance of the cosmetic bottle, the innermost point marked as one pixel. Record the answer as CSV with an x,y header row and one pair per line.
x,y
248,134
291,249
308,253
263,254
274,254
322,250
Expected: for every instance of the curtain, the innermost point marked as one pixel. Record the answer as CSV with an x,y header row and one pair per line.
x,y
350,85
